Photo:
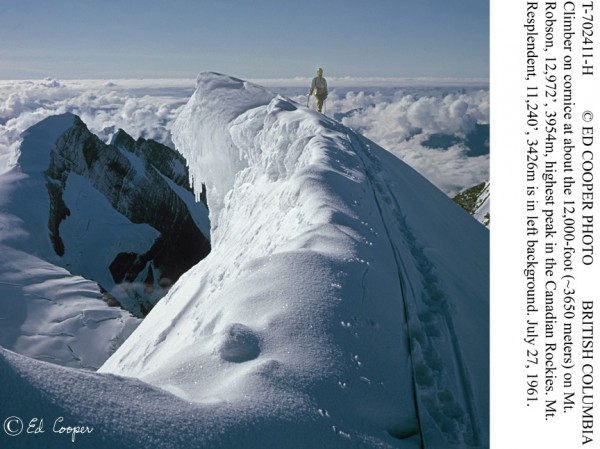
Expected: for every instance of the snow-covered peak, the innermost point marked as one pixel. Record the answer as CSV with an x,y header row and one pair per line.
x,y
39,141
46,311
85,226
343,291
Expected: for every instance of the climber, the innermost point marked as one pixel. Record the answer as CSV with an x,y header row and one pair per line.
x,y
319,86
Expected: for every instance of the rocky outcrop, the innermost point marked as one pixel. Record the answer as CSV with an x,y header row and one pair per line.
x,y
144,181
475,200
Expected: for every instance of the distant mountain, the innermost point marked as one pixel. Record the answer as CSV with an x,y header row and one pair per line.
x,y
117,222
476,201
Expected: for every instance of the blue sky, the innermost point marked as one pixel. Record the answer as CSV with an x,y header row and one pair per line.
x,y
245,38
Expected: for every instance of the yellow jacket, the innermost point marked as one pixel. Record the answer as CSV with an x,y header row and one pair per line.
x,y
319,84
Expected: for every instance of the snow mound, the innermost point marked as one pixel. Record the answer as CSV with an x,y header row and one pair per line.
x,y
240,344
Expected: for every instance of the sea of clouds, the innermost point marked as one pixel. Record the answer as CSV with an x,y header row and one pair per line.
x,y
432,125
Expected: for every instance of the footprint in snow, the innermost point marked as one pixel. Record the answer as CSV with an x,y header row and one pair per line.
x,y
240,344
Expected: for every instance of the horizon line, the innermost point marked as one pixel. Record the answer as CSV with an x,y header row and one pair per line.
x,y
335,81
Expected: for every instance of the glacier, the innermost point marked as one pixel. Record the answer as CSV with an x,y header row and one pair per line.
x,y
344,303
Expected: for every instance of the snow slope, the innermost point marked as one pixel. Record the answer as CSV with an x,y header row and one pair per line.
x,y
50,314
344,303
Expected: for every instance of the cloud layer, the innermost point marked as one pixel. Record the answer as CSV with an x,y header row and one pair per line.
x,y
402,119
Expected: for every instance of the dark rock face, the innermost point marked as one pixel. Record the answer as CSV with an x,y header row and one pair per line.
x,y
471,200
143,189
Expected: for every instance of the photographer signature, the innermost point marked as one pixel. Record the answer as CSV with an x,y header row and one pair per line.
x,y
14,426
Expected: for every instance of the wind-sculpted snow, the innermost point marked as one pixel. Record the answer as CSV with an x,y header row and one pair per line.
x,y
52,315
340,283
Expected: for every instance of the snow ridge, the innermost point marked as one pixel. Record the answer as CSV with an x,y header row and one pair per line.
x,y
340,279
